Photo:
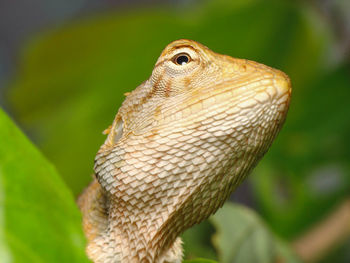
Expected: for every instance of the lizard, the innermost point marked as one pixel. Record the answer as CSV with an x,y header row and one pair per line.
x,y
179,145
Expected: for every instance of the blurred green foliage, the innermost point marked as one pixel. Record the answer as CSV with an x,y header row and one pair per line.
x,y
199,260
71,80
242,237
39,221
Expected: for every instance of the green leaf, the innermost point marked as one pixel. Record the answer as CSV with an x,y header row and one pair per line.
x,y
242,237
39,220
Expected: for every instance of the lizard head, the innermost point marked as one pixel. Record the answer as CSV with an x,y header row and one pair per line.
x,y
185,138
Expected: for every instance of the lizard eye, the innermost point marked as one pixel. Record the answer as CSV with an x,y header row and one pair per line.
x,y
181,59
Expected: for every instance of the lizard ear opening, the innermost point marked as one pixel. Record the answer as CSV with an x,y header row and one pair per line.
x,y
115,132
118,130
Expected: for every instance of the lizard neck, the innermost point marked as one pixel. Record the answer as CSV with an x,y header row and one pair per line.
x,y
138,232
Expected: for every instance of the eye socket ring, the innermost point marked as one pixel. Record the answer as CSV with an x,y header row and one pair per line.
x,y
181,59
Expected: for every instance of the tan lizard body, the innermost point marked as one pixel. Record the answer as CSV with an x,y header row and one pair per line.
x,y
179,145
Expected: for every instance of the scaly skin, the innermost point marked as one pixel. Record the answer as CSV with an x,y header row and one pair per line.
x,y
179,145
